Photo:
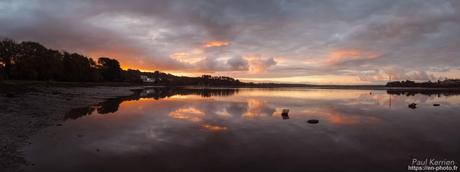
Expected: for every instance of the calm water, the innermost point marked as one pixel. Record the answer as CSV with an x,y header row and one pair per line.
x,y
243,130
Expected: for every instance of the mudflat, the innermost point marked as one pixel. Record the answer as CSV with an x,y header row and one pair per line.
x,y
27,107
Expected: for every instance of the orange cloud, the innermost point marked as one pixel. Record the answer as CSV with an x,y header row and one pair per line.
x,y
179,55
341,56
128,60
185,57
216,44
258,64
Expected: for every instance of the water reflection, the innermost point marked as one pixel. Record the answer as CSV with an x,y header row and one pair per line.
x,y
214,128
112,105
436,92
246,130
257,108
188,113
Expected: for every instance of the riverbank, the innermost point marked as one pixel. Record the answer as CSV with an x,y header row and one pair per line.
x,y
27,107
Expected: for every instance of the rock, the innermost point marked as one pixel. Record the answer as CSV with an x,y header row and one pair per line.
x,y
412,105
313,121
58,125
285,113
98,150
436,104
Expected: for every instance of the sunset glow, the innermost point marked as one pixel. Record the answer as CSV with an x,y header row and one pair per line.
x,y
349,42
341,56
229,85
216,44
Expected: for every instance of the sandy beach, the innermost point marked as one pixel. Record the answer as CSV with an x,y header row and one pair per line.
x,y
26,108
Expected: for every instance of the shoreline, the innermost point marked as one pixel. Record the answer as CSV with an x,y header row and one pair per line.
x,y
22,83
27,108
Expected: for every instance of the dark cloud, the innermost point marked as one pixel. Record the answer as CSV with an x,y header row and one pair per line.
x,y
238,63
264,38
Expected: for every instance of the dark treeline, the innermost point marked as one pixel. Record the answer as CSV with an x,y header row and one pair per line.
x,y
33,61
448,83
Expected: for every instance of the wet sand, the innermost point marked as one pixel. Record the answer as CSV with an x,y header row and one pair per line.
x,y
27,107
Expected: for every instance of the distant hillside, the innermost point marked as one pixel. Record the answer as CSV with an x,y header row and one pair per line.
x,y
448,83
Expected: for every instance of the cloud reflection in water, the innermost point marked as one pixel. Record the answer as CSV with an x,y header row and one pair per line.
x,y
229,130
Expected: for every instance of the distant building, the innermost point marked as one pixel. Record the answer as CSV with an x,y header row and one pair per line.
x,y
451,81
145,78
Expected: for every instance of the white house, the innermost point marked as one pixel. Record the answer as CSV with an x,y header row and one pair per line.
x,y
145,78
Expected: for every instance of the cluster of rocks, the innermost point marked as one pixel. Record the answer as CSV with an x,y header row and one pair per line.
x,y
414,105
285,116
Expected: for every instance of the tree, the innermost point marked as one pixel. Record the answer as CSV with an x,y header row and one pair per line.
x,y
131,75
36,62
110,69
8,50
78,68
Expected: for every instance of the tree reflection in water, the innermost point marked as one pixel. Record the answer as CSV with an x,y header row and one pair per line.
x,y
427,92
157,93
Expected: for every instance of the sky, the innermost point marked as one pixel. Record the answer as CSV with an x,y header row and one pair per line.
x,y
289,41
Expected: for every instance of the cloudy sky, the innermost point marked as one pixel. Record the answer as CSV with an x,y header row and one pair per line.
x,y
321,41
